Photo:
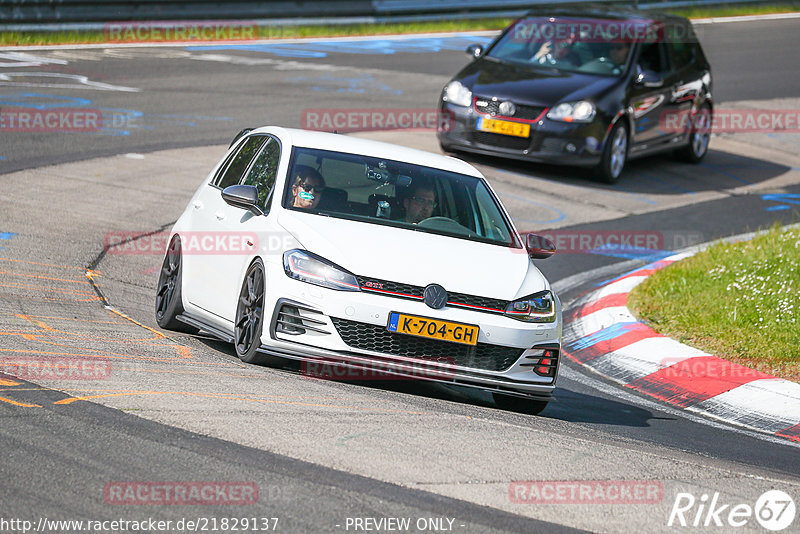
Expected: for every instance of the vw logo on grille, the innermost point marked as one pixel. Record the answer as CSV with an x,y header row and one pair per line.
x,y
435,296
507,108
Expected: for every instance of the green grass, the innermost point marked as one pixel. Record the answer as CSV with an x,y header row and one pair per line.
x,y
290,32
738,301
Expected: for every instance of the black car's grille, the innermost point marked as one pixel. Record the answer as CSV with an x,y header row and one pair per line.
x,y
503,141
480,302
408,291
376,338
523,112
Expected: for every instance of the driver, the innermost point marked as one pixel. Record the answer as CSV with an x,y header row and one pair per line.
x,y
557,52
619,52
420,203
307,187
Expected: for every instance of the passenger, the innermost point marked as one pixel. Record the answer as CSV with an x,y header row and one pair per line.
x,y
420,203
307,187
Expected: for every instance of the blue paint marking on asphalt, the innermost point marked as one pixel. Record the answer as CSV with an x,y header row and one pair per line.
x,y
778,208
2,157
374,46
5,236
668,184
116,121
630,253
606,334
559,215
651,265
726,173
329,83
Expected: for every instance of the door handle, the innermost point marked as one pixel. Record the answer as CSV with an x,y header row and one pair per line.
x,y
219,215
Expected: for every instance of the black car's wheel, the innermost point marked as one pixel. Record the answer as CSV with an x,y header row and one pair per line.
x,y
250,315
168,294
697,148
519,404
615,154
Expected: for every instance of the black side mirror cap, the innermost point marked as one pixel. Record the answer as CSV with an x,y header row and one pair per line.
x,y
538,247
243,196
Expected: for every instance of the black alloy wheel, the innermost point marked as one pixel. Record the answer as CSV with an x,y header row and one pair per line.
x,y
168,296
250,315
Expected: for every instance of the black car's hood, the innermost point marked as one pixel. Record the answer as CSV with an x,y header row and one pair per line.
x,y
537,86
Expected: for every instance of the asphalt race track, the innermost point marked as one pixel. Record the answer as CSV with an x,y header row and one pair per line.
x,y
325,456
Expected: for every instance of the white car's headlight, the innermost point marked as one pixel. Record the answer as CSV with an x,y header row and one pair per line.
x,y
537,308
307,267
456,93
582,111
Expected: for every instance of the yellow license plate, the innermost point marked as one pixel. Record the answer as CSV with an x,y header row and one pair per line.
x,y
433,328
516,129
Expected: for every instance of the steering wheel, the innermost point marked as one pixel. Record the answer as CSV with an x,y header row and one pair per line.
x,y
445,224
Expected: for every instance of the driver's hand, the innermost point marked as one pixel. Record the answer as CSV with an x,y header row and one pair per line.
x,y
544,50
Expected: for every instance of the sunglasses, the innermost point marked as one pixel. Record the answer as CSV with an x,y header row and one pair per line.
x,y
309,188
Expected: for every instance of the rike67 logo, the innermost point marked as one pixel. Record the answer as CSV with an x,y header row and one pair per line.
x,y
774,510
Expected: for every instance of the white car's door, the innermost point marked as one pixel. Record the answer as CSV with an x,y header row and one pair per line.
x,y
209,246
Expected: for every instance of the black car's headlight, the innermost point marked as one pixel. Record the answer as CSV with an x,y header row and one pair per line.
x,y
456,93
307,267
581,111
537,308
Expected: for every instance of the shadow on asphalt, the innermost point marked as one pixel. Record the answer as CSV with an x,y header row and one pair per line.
x,y
660,174
567,405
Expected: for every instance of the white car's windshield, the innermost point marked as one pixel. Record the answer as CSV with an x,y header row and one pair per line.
x,y
393,193
589,46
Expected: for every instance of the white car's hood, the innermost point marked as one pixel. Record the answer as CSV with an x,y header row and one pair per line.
x,y
417,258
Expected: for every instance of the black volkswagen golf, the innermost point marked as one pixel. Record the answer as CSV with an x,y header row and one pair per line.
x,y
589,88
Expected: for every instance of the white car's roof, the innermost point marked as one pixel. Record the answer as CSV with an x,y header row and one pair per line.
x,y
366,147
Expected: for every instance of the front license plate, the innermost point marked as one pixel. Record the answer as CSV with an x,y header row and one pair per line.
x,y
433,328
516,129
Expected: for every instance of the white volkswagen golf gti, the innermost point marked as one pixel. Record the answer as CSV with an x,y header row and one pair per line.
x,y
342,251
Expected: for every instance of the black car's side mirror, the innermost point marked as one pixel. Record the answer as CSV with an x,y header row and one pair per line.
x,y
243,196
475,50
647,78
538,247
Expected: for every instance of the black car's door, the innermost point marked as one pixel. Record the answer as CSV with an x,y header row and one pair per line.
x,y
652,96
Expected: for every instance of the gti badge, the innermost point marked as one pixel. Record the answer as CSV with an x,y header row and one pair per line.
x,y
435,296
507,108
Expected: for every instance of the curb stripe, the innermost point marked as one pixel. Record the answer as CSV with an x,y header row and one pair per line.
x,y
609,301
793,433
694,380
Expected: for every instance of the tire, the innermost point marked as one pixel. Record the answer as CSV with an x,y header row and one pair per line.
x,y
615,154
697,148
513,403
249,322
168,293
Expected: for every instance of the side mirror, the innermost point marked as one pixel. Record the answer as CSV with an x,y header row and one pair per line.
x,y
647,78
475,50
539,248
242,196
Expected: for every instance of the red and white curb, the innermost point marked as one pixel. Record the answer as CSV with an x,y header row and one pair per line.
x,y
602,334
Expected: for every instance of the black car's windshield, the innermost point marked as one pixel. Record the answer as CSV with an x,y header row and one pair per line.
x,y
589,46
393,193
